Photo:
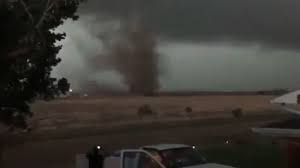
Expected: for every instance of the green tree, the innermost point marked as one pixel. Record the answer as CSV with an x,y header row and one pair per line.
x,y
28,53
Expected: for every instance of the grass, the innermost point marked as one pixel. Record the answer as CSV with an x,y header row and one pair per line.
x,y
246,156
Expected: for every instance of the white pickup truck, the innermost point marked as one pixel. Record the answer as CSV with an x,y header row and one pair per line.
x,y
154,156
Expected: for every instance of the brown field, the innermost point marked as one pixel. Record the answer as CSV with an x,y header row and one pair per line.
x,y
62,128
85,112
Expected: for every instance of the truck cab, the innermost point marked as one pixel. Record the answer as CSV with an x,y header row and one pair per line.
x,y
159,156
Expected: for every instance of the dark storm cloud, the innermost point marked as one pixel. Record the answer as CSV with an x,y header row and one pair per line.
x,y
191,63
130,49
270,22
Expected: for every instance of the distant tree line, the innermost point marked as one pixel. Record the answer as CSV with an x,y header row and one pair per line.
x,y
273,92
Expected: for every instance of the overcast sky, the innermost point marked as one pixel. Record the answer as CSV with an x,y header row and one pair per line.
x,y
204,44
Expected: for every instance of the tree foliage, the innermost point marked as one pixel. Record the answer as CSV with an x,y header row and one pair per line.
x,y
28,53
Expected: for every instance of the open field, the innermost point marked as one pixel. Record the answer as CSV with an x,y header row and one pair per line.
x,y
63,128
86,112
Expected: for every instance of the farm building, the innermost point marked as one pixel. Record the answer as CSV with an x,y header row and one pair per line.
x,y
287,132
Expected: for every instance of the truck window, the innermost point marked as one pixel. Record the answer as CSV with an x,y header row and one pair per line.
x,y
155,154
138,160
181,157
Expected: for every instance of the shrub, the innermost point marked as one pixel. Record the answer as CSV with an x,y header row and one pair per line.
x,y
145,110
237,113
188,110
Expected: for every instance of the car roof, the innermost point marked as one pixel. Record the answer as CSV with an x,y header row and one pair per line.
x,y
160,147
